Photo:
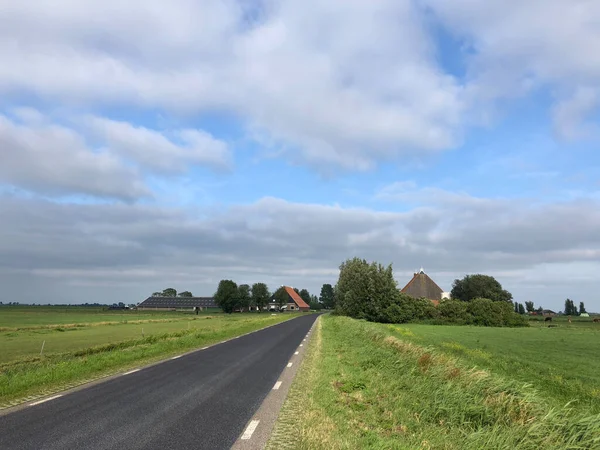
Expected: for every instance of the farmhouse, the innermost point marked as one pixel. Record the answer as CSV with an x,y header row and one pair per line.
x,y
174,303
295,302
422,286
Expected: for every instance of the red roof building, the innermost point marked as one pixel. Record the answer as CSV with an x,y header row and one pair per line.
x,y
295,301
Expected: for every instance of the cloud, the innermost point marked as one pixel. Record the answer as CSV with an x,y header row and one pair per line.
x,y
336,85
52,159
140,248
154,151
517,48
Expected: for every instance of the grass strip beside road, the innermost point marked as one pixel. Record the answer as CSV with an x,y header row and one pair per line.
x,y
362,387
31,377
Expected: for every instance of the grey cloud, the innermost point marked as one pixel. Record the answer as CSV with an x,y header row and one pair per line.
x,y
138,249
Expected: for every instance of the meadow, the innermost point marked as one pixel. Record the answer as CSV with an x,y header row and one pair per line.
x,y
412,386
81,344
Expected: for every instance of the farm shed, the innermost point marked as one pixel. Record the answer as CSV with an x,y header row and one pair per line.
x,y
171,303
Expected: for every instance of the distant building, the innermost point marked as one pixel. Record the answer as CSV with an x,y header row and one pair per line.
x,y
422,286
295,302
174,303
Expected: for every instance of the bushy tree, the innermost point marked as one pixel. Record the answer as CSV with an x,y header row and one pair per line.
x,y
169,292
226,296
582,308
281,296
454,311
479,286
185,294
243,297
327,297
260,295
521,309
365,290
305,295
314,304
529,306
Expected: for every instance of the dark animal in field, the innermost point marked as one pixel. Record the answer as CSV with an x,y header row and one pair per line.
x,y
597,319
552,326
548,319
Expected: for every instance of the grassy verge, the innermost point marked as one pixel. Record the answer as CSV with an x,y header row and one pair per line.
x,y
360,386
28,377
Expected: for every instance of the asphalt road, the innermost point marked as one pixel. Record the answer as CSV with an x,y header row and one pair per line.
x,y
202,400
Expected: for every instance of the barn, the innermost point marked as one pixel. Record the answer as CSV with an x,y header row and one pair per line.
x,y
295,302
175,303
422,286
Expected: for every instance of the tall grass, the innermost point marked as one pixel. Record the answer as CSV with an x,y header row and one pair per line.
x,y
361,387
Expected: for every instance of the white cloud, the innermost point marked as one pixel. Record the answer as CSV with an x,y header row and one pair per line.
x,y
516,48
345,83
153,150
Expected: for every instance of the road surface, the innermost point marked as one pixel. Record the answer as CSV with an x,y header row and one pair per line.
x,y
202,400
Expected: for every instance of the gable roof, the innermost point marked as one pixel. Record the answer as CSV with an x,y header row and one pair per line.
x,y
296,298
423,286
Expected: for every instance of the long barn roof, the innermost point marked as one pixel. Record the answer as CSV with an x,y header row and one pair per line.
x,y
178,302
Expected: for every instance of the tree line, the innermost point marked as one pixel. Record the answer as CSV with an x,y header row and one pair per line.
x,y
369,291
232,297
171,292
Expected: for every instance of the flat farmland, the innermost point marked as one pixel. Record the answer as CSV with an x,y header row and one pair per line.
x,y
82,344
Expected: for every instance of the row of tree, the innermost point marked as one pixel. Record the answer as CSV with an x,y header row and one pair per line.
x,y
369,291
571,309
230,297
171,292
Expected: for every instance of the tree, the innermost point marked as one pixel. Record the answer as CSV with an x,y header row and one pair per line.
x,y
365,290
226,296
169,292
185,294
327,297
540,310
521,308
517,307
244,296
260,295
529,307
479,286
305,295
157,294
582,308
570,308
281,296
297,291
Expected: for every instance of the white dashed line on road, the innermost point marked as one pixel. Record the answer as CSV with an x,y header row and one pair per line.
x,y
250,430
296,353
131,371
45,400
277,385
289,365
175,357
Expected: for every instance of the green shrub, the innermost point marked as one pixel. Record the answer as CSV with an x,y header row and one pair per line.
x,y
454,311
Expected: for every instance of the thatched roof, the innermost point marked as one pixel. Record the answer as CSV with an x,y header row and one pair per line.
x,y
421,286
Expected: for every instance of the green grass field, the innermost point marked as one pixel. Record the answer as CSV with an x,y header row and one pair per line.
x,y
81,344
376,386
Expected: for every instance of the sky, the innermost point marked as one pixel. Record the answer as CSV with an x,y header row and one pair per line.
x,y
151,144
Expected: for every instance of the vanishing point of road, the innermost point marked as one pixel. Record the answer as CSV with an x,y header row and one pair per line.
x,y
202,400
